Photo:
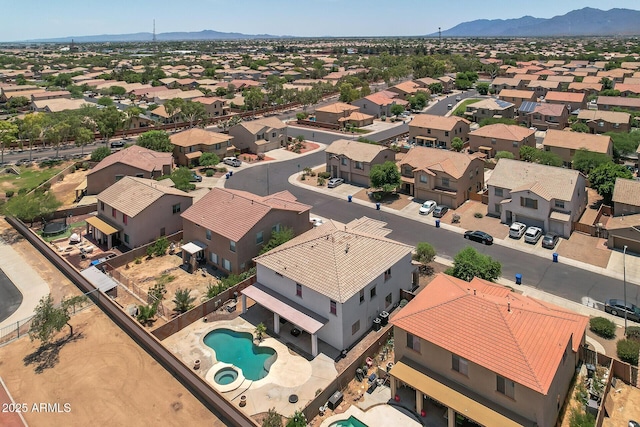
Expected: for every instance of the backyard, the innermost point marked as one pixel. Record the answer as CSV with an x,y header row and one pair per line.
x,y
28,177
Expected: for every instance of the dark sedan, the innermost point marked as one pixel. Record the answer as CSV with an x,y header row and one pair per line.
x,y
617,307
479,236
550,240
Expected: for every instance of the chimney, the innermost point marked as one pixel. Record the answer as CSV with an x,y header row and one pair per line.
x,y
509,307
474,292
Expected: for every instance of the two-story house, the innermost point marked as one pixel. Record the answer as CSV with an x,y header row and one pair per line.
x,y
259,136
500,137
543,116
572,100
213,106
490,356
517,97
231,226
537,195
190,144
332,281
132,161
488,109
541,87
447,177
379,104
136,211
609,103
605,121
623,227
332,113
565,144
437,131
352,160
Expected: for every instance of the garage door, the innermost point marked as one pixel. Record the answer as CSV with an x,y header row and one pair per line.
x,y
529,222
556,227
621,242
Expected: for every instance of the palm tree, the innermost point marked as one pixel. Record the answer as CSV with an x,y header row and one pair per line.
x,y
260,331
183,301
146,313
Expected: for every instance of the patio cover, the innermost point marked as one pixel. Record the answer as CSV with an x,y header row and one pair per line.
x,y
449,397
426,138
193,155
98,279
101,225
194,247
560,216
281,305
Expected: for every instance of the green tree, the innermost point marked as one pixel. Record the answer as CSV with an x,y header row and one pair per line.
x,y
159,247
528,154
105,101
260,330
548,158
183,300
418,101
504,155
603,179
397,109
8,135
298,419
109,121
348,93
469,263
173,107
100,153
18,102
273,419
209,159
32,127
482,88
585,161
277,238
147,312
385,176
83,136
48,320
624,142
424,254
156,140
275,89
31,206
181,177
253,98
580,127
457,144
192,112
436,88
130,113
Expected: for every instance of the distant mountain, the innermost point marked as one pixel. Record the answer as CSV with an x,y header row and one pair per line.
x,y
583,22
140,37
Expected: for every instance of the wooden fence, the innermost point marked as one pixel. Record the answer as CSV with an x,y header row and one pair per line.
x,y
141,251
313,123
480,197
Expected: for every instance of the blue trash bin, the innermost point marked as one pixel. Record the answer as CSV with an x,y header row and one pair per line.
x,y
377,206
230,173
555,257
349,197
226,176
518,279
437,223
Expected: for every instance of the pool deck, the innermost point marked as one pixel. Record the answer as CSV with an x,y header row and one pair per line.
x,y
376,416
289,374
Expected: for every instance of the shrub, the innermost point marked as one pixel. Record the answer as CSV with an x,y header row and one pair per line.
x,y
633,333
22,191
580,418
325,175
85,165
478,215
303,177
72,169
320,181
138,260
603,327
47,185
628,351
209,173
8,193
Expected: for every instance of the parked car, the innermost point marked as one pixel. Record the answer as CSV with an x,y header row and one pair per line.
x,y
532,235
427,207
334,182
449,106
517,229
117,144
617,307
195,177
458,98
479,236
440,211
317,222
550,240
232,161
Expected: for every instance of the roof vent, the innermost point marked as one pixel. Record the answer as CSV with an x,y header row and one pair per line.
x,y
509,307
346,249
474,292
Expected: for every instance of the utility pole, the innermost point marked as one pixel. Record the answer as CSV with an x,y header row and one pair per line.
x,y
154,30
439,36
624,278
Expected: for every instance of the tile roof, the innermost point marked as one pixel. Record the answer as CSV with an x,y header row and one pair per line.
x,y
479,320
568,97
450,162
356,151
490,104
620,101
429,121
585,86
219,210
577,140
138,157
337,107
132,195
197,136
627,191
256,126
549,109
607,116
59,104
502,131
558,183
381,98
335,259
514,93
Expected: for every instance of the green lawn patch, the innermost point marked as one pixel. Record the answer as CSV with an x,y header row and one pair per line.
x,y
29,178
462,107
66,234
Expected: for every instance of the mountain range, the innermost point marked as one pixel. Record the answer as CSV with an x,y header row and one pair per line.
x,y
582,22
142,37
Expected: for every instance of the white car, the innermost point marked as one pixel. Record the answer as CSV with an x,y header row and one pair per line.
x,y
334,182
517,229
427,207
532,235
232,161
317,222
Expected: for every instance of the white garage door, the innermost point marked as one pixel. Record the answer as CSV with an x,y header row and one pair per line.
x,y
556,227
529,222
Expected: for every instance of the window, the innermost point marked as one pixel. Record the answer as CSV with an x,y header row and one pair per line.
x,y
232,246
226,264
101,206
387,275
559,204
505,386
119,177
139,175
407,170
497,207
446,133
124,219
298,290
460,364
497,192
273,134
547,148
493,141
445,182
213,258
355,327
259,238
208,234
372,293
413,342
528,203
343,161
243,266
515,143
424,179
388,300
216,147
359,165
333,307
361,296
176,208
275,228
429,131
126,238
113,212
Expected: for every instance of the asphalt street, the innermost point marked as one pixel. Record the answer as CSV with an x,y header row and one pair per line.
x,y
10,297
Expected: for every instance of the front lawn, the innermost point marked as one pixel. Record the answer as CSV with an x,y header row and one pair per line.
x,y
459,111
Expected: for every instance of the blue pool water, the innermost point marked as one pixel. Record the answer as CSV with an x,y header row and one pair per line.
x,y
237,348
350,422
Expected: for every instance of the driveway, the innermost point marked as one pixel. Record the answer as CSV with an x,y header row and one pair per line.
x,y
10,297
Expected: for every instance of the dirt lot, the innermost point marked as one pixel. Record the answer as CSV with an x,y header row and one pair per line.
x,y
626,405
104,376
582,247
65,190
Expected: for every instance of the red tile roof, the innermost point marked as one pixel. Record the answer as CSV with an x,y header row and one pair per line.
x,y
515,336
138,157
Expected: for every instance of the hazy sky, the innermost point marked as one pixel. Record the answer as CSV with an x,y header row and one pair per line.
x,y
35,19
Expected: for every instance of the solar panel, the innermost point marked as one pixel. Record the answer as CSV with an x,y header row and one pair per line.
x,y
528,106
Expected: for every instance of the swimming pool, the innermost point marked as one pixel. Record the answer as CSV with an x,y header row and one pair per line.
x,y
349,422
237,348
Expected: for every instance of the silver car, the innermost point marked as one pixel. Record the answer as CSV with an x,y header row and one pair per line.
x,y
532,235
334,182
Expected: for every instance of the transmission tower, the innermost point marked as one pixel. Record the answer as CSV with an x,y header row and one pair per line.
x,y
154,30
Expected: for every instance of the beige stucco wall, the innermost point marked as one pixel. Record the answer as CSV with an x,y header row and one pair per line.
x,y
461,131
105,177
476,141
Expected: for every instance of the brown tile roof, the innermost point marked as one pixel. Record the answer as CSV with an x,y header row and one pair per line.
x,y
429,121
514,93
549,109
577,140
585,86
138,157
197,136
627,191
624,221
568,97
515,336
381,98
626,87
435,159
232,213
502,131
607,116
618,101
256,126
335,259
356,151
132,195
558,183
337,107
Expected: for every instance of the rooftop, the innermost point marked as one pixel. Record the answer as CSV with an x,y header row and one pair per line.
x,y
429,121
502,131
138,157
356,151
435,159
197,136
627,191
577,140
